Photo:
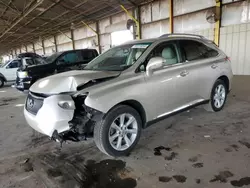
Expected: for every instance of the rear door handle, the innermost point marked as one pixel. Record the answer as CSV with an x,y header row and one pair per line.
x,y
214,66
184,73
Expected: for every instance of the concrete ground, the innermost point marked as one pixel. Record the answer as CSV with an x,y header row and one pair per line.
x,y
190,150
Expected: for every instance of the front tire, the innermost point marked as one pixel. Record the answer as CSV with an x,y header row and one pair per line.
x,y
120,130
1,82
218,96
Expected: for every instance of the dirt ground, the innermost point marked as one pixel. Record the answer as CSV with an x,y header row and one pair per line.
x,y
195,149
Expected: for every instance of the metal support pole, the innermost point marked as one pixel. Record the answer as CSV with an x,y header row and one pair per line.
x,y
97,34
171,16
138,17
138,29
26,48
12,55
43,47
90,27
55,42
218,23
98,37
72,38
33,46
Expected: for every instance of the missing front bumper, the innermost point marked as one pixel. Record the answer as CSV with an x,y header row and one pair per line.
x,y
75,124
67,135
51,116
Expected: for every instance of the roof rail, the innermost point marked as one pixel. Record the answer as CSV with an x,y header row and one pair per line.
x,y
182,34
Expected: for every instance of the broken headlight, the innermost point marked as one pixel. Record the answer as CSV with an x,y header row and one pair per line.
x,y
67,105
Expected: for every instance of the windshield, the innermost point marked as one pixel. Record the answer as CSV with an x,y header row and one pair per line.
x,y
2,65
53,57
118,58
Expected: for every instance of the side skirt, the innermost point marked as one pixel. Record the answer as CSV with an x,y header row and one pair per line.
x,y
149,123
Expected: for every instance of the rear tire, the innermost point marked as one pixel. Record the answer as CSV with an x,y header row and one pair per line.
x,y
218,97
118,133
1,82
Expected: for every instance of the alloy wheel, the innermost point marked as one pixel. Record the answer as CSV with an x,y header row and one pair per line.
x,y
219,96
123,132
1,82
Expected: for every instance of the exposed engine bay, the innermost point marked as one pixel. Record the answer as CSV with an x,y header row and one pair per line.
x,y
82,124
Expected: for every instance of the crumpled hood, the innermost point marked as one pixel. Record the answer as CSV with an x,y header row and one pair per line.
x,y
69,81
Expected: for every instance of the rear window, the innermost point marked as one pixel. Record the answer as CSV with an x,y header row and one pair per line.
x,y
193,50
35,61
89,54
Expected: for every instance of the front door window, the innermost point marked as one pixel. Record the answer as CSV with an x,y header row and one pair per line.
x,y
168,52
14,64
70,58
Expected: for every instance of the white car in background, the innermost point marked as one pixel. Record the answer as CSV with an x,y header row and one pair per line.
x,y
8,71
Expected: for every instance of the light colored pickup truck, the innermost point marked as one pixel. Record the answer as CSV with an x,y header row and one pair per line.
x,y
8,71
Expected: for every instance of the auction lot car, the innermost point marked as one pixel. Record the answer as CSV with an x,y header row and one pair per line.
x,y
8,71
38,68
128,88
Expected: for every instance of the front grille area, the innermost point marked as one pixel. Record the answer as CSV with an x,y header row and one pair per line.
x,y
33,103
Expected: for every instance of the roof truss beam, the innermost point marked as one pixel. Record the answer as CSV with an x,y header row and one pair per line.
x,y
8,6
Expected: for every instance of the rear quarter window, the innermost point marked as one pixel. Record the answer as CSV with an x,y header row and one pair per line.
x,y
194,50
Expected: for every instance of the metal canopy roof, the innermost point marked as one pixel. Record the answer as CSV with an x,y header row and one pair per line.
x,y
23,21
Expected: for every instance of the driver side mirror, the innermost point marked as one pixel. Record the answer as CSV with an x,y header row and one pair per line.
x,y
154,64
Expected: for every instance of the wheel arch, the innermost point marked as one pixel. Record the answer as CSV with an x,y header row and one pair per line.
x,y
226,80
137,106
2,76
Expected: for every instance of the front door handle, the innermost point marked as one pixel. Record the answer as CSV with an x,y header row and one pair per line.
x,y
184,73
214,66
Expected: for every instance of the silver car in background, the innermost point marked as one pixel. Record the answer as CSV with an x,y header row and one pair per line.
x,y
128,88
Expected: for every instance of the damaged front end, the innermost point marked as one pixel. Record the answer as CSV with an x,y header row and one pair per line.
x,y
62,117
82,125
53,108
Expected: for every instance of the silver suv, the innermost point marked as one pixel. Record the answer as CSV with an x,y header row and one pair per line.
x,y
127,88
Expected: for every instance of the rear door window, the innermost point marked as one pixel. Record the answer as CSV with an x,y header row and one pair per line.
x,y
193,50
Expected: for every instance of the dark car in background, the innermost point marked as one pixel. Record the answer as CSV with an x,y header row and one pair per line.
x,y
38,67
